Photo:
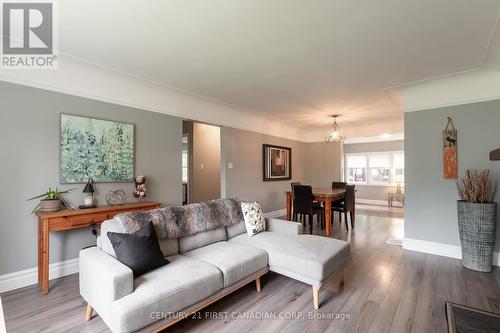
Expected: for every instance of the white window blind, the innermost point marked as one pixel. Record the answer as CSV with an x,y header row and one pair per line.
x,y
399,161
380,161
380,168
356,161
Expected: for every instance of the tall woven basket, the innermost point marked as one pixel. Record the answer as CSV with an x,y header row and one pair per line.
x,y
477,227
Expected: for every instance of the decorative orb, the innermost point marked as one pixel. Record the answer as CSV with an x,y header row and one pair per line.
x,y
116,197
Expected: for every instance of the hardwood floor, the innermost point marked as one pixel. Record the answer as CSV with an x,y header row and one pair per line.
x,y
386,289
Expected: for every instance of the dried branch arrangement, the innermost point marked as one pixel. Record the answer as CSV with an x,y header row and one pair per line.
x,y
477,186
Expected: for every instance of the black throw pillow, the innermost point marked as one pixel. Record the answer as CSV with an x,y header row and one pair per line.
x,y
140,251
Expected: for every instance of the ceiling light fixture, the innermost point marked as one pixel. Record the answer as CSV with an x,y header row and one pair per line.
x,y
335,135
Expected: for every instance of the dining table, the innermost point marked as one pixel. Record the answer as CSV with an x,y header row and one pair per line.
x,y
322,194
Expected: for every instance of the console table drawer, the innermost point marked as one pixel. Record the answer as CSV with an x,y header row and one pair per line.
x,y
86,220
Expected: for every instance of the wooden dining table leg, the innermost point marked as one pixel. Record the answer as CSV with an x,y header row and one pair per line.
x,y
328,212
288,207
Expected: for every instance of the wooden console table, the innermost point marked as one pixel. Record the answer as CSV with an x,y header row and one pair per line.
x,y
74,219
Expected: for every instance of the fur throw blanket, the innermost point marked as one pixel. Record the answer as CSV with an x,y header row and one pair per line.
x,y
183,221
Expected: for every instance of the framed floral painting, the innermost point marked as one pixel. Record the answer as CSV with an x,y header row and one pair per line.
x,y
94,148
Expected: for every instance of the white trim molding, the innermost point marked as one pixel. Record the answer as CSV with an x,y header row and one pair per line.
x,y
378,138
440,249
462,88
374,202
108,85
29,276
371,202
276,213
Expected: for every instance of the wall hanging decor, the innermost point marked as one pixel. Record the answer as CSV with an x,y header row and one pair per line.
x,y
277,163
93,148
450,156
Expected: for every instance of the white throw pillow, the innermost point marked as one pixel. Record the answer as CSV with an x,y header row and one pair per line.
x,y
254,219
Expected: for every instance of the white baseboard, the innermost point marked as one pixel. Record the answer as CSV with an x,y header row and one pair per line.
x,y
377,202
276,213
440,249
29,276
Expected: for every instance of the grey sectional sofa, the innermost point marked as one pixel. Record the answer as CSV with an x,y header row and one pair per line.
x,y
202,269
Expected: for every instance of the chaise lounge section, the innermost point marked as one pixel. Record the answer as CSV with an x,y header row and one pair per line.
x,y
203,268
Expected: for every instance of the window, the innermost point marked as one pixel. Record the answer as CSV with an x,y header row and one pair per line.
x,y
184,166
356,168
379,168
399,168
185,159
384,168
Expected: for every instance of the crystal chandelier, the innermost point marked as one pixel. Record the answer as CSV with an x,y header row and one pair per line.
x,y
335,134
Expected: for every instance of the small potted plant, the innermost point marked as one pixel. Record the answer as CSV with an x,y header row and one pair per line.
x,y
51,201
477,215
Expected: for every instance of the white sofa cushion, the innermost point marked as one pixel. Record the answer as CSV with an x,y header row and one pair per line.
x,y
236,229
173,287
307,258
235,261
202,239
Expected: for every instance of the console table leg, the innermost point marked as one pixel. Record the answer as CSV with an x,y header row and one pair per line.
x,y
45,259
40,252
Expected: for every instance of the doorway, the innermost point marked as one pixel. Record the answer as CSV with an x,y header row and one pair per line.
x,y
201,162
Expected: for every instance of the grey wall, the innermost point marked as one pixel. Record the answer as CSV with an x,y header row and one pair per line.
x,y
367,191
29,157
323,163
244,150
430,212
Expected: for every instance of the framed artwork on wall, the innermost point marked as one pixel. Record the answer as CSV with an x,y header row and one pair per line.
x,y
450,158
94,148
277,163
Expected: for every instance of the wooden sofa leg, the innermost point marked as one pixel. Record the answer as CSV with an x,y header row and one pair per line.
x,y
341,275
89,313
257,284
316,298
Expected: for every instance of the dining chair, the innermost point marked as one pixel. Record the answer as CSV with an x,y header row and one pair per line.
x,y
347,206
338,185
341,185
294,216
304,205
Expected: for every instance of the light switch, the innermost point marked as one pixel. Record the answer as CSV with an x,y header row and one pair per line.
x,y
202,166
229,165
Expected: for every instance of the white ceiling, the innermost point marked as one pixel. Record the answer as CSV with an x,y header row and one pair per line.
x,y
292,60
